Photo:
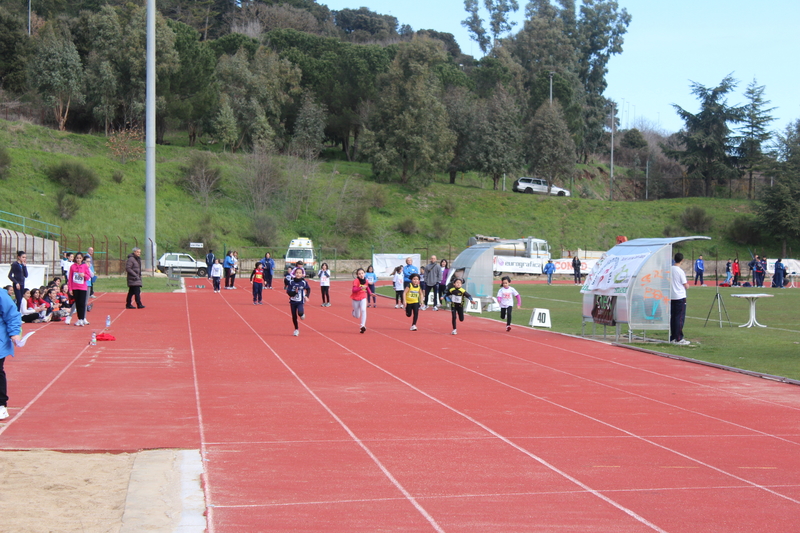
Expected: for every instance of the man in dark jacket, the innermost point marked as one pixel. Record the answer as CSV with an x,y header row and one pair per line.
x,y
576,269
134,269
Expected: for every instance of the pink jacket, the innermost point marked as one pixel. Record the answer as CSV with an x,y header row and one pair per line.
x,y
78,276
360,291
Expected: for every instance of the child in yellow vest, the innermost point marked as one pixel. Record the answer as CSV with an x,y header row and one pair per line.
x,y
411,299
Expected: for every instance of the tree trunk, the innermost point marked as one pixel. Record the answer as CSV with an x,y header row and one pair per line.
x,y
453,177
495,181
356,135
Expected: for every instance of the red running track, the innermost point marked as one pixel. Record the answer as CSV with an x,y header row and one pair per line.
x,y
396,430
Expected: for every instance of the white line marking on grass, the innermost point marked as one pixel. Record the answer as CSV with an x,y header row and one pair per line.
x,y
344,426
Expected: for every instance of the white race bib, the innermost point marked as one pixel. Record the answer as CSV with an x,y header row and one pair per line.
x,y
77,277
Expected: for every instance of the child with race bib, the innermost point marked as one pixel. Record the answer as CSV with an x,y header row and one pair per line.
x,y
505,297
360,296
412,298
457,295
298,290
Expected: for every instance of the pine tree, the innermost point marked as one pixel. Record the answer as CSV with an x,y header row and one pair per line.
x,y
754,133
779,206
552,149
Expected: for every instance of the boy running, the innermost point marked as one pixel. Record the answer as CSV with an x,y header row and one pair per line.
x,y
298,290
457,294
505,297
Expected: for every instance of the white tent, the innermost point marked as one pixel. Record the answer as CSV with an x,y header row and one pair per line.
x,y
631,285
475,265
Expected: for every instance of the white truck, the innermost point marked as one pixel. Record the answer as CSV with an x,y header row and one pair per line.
x,y
301,249
516,256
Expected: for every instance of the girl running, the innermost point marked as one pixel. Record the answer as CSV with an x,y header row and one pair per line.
x,y
298,291
505,296
457,295
325,284
360,296
411,298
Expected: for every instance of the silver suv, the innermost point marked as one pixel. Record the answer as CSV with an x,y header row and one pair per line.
x,y
536,185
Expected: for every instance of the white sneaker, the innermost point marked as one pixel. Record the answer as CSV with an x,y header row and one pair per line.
x,y
413,328
424,308
79,323
435,308
85,322
302,317
296,332
683,342
3,412
68,319
455,332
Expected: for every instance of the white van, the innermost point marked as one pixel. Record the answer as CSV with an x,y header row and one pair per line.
x,y
301,249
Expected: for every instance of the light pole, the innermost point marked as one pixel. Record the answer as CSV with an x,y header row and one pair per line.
x,y
611,184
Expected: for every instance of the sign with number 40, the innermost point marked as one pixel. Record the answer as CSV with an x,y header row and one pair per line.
x,y
540,318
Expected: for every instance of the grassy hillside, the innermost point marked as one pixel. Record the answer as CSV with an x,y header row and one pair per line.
x,y
335,203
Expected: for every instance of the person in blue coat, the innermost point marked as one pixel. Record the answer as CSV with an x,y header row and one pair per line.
x,y
549,269
10,329
699,270
269,269
779,274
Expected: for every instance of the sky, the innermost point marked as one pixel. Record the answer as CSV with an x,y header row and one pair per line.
x,y
668,46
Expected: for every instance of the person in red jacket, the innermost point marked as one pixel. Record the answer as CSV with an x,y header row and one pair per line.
x,y
359,296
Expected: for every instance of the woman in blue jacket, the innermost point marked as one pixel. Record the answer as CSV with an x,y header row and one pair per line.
x,y
549,269
10,328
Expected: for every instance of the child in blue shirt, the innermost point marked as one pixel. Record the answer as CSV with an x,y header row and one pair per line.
x,y
298,290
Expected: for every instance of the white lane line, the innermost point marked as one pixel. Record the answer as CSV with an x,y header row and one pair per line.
x,y
41,392
344,426
612,387
589,417
497,435
206,482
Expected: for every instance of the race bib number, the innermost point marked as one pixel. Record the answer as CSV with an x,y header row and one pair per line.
x,y
455,299
78,277
297,297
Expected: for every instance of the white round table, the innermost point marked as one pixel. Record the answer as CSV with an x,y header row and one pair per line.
x,y
752,299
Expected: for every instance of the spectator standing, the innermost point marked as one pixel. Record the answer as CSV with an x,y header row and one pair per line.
x,y
576,269
89,259
216,274
549,269
758,272
433,276
227,265
779,274
372,279
10,330
699,269
397,281
66,262
736,271
210,259
408,270
269,269
133,267
325,284
678,302
752,266
443,282
728,271
17,275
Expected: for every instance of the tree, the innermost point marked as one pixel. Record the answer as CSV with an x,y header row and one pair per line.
x,y
754,132
364,25
499,22
12,52
708,146
779,206
462,111
56,72
633,139
309,128
552,152
411,138
498,132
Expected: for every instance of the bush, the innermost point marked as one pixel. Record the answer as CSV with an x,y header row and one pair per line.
x,y
5,162
76,177
408,226
449,206
66,205
118,177
202,177
745,230
695,219
265,230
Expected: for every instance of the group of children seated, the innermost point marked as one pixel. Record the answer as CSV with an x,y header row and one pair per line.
x,y
52,303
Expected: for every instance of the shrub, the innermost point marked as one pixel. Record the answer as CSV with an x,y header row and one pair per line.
x,y
76,177
695,219
408,226
265,230
202,177
5,162
745,230
66,205
126,144
118,177
449,206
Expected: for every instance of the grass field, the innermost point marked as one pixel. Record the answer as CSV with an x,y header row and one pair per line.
x,y
772,350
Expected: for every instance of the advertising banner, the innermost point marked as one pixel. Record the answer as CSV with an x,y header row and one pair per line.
x,y
564,265
517,265
384,264
612,275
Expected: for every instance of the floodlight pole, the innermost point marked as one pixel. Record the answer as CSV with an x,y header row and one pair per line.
x,y
150,141
611,184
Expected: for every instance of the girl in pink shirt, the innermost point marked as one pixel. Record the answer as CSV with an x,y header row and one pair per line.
x,y
359,296
79,274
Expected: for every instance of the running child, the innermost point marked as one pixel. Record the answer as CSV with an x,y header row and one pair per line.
x,y
372,278
257,279
360,297
457,294
505,297
216,273
412,298
397,281
325,284
298,290
290,274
